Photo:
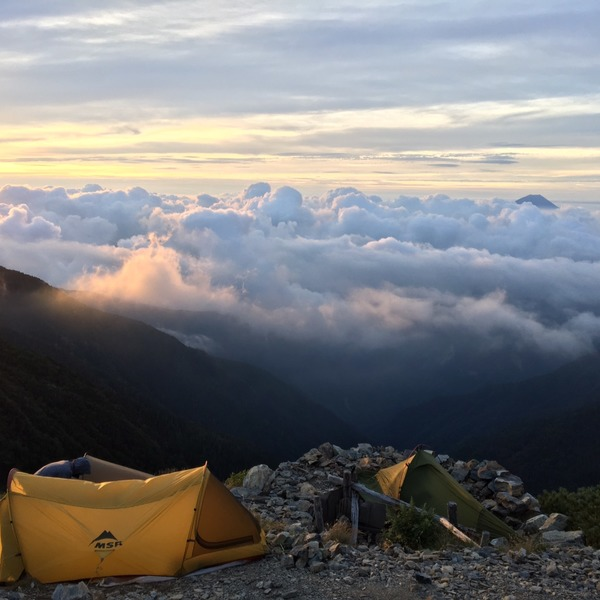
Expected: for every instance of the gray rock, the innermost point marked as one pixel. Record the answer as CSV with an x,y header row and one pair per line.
x,y
562,538
307,490
423,578
283,539
312,457
242,492
459,473
287,561
327,450
533,525
490,504
364,449
79,591
257,478
442,458
510,484
551,569
510,503
532,503
490,469
317,567
555,522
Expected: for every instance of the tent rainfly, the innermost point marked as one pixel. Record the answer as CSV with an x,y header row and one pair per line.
x,y
422,480
121,522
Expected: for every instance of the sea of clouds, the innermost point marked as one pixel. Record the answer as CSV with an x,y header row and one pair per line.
x,y
435,276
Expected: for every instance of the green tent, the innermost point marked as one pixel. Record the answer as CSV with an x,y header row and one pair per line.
x,y
422,480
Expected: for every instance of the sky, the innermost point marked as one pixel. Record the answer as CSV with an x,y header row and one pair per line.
x,y
471,99
338,174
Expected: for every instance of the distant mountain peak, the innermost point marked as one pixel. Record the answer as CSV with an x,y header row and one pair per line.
x,y
537,200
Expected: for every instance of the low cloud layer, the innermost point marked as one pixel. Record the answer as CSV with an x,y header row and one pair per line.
x,y
343,268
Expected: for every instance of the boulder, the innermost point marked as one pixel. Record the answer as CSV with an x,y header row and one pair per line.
x,y
312,457
563,538
364,449
510,503
510,484
327,450
490,469
307,490
532,503
78,591
533,525
555,522
459,473
258,478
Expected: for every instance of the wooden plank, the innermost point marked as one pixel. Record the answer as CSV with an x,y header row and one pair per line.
x,y
354,514
319,525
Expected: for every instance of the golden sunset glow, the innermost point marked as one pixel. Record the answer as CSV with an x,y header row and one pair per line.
x,y
211,98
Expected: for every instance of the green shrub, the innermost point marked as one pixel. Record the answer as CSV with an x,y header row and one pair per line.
x,y
582,507
236,479
414,528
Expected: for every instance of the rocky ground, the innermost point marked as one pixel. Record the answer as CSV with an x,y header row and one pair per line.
x,y
304,564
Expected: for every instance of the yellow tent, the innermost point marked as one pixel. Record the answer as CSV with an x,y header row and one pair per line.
x,y
172,524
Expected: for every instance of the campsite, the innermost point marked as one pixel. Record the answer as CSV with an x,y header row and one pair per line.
x,y
299,300
81,537
164,449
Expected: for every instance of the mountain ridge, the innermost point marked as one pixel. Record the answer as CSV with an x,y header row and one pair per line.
x,y
50,412
130,358
513,421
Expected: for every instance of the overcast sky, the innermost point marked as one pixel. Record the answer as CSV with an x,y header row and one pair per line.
x,y
470,99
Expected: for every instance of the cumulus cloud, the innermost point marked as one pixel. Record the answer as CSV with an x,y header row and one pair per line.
x,y
447,279
19,223
154,275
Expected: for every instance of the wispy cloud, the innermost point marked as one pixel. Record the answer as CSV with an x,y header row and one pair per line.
x,y
262,80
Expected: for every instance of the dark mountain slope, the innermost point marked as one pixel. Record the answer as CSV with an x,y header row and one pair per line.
x,y
548,453
444,421
361,385
49,412
131,358
527,424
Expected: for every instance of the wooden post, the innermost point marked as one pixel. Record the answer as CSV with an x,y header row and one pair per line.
x,y
347,485
485,538
354,511
319,525
453,513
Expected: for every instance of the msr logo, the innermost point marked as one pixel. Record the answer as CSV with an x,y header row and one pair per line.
x,y
105,543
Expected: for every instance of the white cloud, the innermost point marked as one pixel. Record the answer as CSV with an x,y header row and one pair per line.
x,y
345,267
18,223
409,287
